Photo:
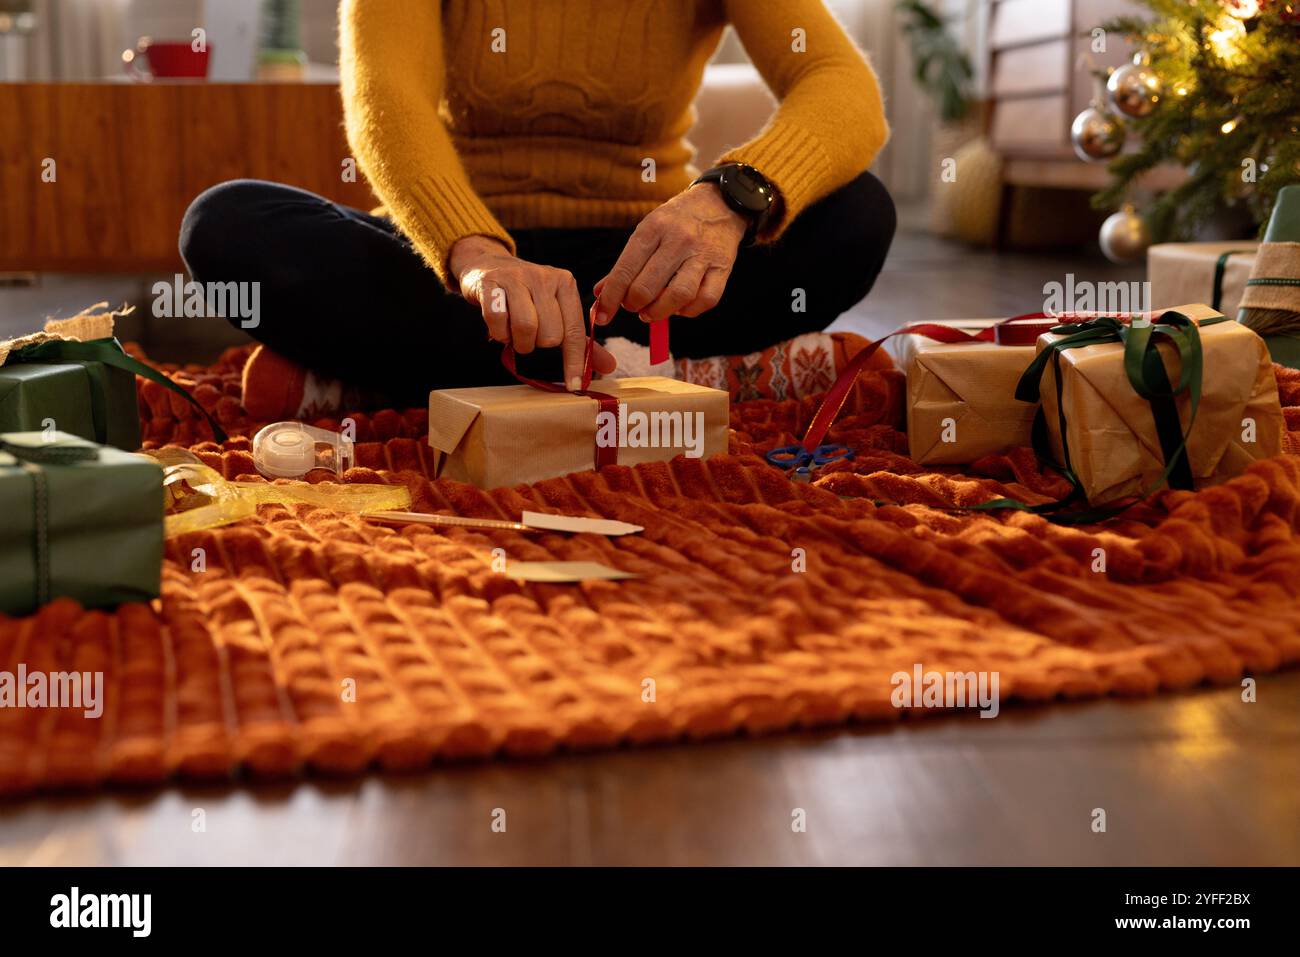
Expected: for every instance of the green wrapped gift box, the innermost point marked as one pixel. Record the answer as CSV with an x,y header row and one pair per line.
x,y
80,520
86,389
81,397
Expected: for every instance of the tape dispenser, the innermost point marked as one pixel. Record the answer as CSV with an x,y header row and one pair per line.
x,y
291,449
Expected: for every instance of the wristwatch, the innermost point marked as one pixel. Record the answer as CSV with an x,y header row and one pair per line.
x,y
746,191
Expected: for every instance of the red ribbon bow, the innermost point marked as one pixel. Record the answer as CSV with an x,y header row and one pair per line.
x,y
605,455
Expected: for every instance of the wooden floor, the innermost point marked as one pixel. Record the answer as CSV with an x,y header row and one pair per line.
x,y
1198,778
927,279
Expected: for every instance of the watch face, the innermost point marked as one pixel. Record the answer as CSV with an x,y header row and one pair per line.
x,y
747,187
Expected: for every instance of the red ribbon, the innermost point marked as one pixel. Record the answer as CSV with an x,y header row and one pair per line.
x,y
1016,331
605,454
658,341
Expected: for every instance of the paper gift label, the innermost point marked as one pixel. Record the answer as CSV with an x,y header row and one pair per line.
x,y
577,524
1184,272
1110,431
515,434
563,572
961,401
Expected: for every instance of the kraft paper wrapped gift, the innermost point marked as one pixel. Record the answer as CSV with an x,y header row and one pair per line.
x,y
1186,272
83,397
973,384
1110,431
516,434
91,530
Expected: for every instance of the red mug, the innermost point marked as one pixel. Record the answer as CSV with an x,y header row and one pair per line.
x,y
166,59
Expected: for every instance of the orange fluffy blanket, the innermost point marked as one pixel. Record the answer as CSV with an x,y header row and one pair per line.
x,y
319,641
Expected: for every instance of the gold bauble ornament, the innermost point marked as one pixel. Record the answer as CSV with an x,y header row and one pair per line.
x,y
1135,89
1125,236
1097,135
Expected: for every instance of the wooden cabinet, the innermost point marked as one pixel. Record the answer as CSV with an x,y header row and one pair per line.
x,y
129,158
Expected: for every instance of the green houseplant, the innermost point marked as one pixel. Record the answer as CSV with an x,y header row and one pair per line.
x,y
939,64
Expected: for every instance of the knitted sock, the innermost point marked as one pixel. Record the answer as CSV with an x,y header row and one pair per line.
x,y
276,388
794,369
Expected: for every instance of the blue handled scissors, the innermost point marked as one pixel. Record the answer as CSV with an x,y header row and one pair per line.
x,y
802,462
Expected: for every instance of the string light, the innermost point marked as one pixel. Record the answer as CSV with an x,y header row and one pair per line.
x,y
1224,40
1231,125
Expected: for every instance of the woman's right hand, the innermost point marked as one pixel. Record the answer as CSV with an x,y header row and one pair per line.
x,y
526,305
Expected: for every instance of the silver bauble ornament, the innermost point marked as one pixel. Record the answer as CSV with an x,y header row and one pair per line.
x,y
1124,236
1135,88
1097,135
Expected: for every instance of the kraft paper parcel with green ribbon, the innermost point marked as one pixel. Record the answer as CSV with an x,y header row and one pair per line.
x,y
102,525
1114,448
1196,272
81,397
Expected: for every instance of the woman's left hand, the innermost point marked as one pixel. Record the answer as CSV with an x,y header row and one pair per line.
x,y
678,260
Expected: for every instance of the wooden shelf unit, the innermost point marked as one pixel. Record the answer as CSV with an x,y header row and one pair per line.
x,y
1037,85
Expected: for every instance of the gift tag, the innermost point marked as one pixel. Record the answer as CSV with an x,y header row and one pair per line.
x,y
571,523
563,572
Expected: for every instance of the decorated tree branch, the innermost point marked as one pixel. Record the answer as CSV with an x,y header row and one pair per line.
x,y
1213,89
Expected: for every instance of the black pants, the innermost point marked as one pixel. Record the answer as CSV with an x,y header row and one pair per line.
x,y
345,294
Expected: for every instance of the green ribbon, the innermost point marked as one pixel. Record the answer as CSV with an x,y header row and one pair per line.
x,y
1220,268
30,458
1146,373
109,352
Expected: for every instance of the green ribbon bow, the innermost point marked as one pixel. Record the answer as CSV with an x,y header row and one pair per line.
x,y
30,458
1146,373
109,352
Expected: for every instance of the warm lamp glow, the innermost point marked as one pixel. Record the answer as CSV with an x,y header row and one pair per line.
x,y
1231,125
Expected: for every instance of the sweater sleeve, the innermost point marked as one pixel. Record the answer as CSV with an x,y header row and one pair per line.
x,y
830,124
392,73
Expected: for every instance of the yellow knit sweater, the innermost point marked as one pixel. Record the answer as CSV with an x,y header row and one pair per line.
x,y
477,116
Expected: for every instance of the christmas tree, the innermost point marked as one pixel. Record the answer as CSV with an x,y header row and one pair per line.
x,y
1215,89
